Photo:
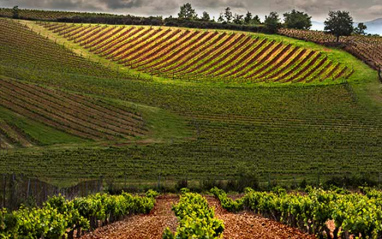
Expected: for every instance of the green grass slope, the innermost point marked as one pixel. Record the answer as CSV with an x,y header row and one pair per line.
x,y
292,131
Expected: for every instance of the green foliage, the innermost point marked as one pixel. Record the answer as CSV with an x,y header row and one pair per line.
x,y
196,219
339,23
8,224
248,18
238,19
272,22
187,12
15,12
297,20
256,20
226,202
205,16
360,29
353,212
58,216
228,15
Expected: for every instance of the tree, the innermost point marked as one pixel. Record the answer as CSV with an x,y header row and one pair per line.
x,y
248,18
256,20
221,19
272,22
339,23
15,12
228,15
206,16
360,29
297,20
238,19
187,12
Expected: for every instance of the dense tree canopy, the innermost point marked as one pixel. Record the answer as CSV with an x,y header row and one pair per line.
x,y
248,18
15,12
272,22
297,20
339,23
206,16
360,29
187,12
228,15
238,19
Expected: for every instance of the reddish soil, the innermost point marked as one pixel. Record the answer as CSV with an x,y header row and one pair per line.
x,y
137,41
163,39
141,226
122,43
120,38
242,225
248,225
172,46
191,53
185,49
245,46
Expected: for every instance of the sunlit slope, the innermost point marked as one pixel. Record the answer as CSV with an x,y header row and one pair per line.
x,y
203,55
58,115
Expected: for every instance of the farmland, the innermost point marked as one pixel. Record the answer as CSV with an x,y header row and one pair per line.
x,y
195,55
205,128
367,48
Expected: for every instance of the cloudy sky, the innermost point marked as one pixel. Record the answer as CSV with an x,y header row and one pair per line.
x,y
361,10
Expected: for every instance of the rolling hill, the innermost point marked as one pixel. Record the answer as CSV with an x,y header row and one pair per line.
x,y
199,128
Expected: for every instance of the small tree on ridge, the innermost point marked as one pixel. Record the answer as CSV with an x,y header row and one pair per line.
x,y
339,23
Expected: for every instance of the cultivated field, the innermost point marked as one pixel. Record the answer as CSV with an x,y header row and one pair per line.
x,y
106,107
206,131
366,48
204,55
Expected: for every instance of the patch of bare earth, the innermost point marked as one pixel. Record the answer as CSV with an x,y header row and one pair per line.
x,y
242,225
141,226
248,225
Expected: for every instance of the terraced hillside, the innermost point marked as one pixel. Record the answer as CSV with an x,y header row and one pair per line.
x,y
203,55
71,113
366,48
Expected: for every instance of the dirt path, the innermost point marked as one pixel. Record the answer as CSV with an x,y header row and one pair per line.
x,y
141,226
246,225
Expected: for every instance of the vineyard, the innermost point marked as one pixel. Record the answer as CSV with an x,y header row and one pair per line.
x,y
11,137
87,108
366,48
301,131
70,113
60,217
204,55
314,213
355,215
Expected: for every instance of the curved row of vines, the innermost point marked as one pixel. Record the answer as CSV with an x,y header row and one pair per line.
x,y
201,55
354,214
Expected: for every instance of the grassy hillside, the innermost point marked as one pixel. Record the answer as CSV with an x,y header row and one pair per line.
x,y
292,131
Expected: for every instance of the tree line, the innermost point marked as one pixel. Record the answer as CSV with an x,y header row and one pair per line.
x,y
338,23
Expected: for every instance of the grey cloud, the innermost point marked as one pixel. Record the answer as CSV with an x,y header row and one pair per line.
x,y
115,4
54,4
361,10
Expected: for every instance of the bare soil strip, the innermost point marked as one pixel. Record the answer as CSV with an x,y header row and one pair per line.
x,y
242,225
246,225
141,226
